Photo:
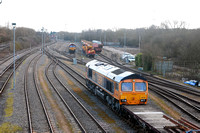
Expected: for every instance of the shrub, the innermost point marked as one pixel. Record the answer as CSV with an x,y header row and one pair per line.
x,y
138,60
147,61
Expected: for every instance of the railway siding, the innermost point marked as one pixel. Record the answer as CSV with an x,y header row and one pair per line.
x,y
151,118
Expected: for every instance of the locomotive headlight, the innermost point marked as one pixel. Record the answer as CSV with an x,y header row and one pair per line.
x,y
123,100
142,100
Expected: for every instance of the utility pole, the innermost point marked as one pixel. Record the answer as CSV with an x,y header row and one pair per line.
x,y
139,42
100,36
74,37
14,26
125,38
42,39
105,37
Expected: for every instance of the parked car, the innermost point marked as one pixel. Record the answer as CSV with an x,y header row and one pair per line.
x,y
192,82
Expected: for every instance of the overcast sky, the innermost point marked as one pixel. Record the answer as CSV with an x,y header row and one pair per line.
x,y
78,15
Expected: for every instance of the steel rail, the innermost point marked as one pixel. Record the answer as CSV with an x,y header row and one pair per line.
x,y
177,96
90,115
41,98
11,73
184,89
174,103
67,106
26,95
153,79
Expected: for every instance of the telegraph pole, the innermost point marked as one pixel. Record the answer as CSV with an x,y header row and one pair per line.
x,y
42,39
124,39
139,42
105,37
14,26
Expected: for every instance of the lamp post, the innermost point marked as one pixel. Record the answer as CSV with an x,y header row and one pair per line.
x,y
105,38
42,39
14,26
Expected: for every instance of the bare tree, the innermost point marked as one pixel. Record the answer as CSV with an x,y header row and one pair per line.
x,y
173,25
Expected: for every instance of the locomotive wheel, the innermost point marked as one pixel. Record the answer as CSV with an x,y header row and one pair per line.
x,y
108,99
117,106
95,90
87,82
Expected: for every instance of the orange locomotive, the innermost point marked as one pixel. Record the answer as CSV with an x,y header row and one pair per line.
x,y
87,48
116,86
72,48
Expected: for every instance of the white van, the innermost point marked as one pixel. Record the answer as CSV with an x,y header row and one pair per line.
x,y
129,57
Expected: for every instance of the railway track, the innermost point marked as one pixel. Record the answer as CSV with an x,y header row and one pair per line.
x,y
85,120
56,87
8,72
175,91
81,80
187,104
174,86
157,80
69,57
179,101
5,59
38,118
168,128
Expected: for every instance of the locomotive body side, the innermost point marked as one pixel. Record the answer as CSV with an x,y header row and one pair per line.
x,y
116,86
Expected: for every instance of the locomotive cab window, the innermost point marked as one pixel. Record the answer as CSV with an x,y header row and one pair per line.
x,y
140,86
90,73
127,86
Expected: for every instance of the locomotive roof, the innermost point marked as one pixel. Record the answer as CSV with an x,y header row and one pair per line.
x,y
72,44
112,72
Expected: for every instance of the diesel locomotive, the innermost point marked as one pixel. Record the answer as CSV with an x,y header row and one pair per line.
x,y
115,85
72,48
